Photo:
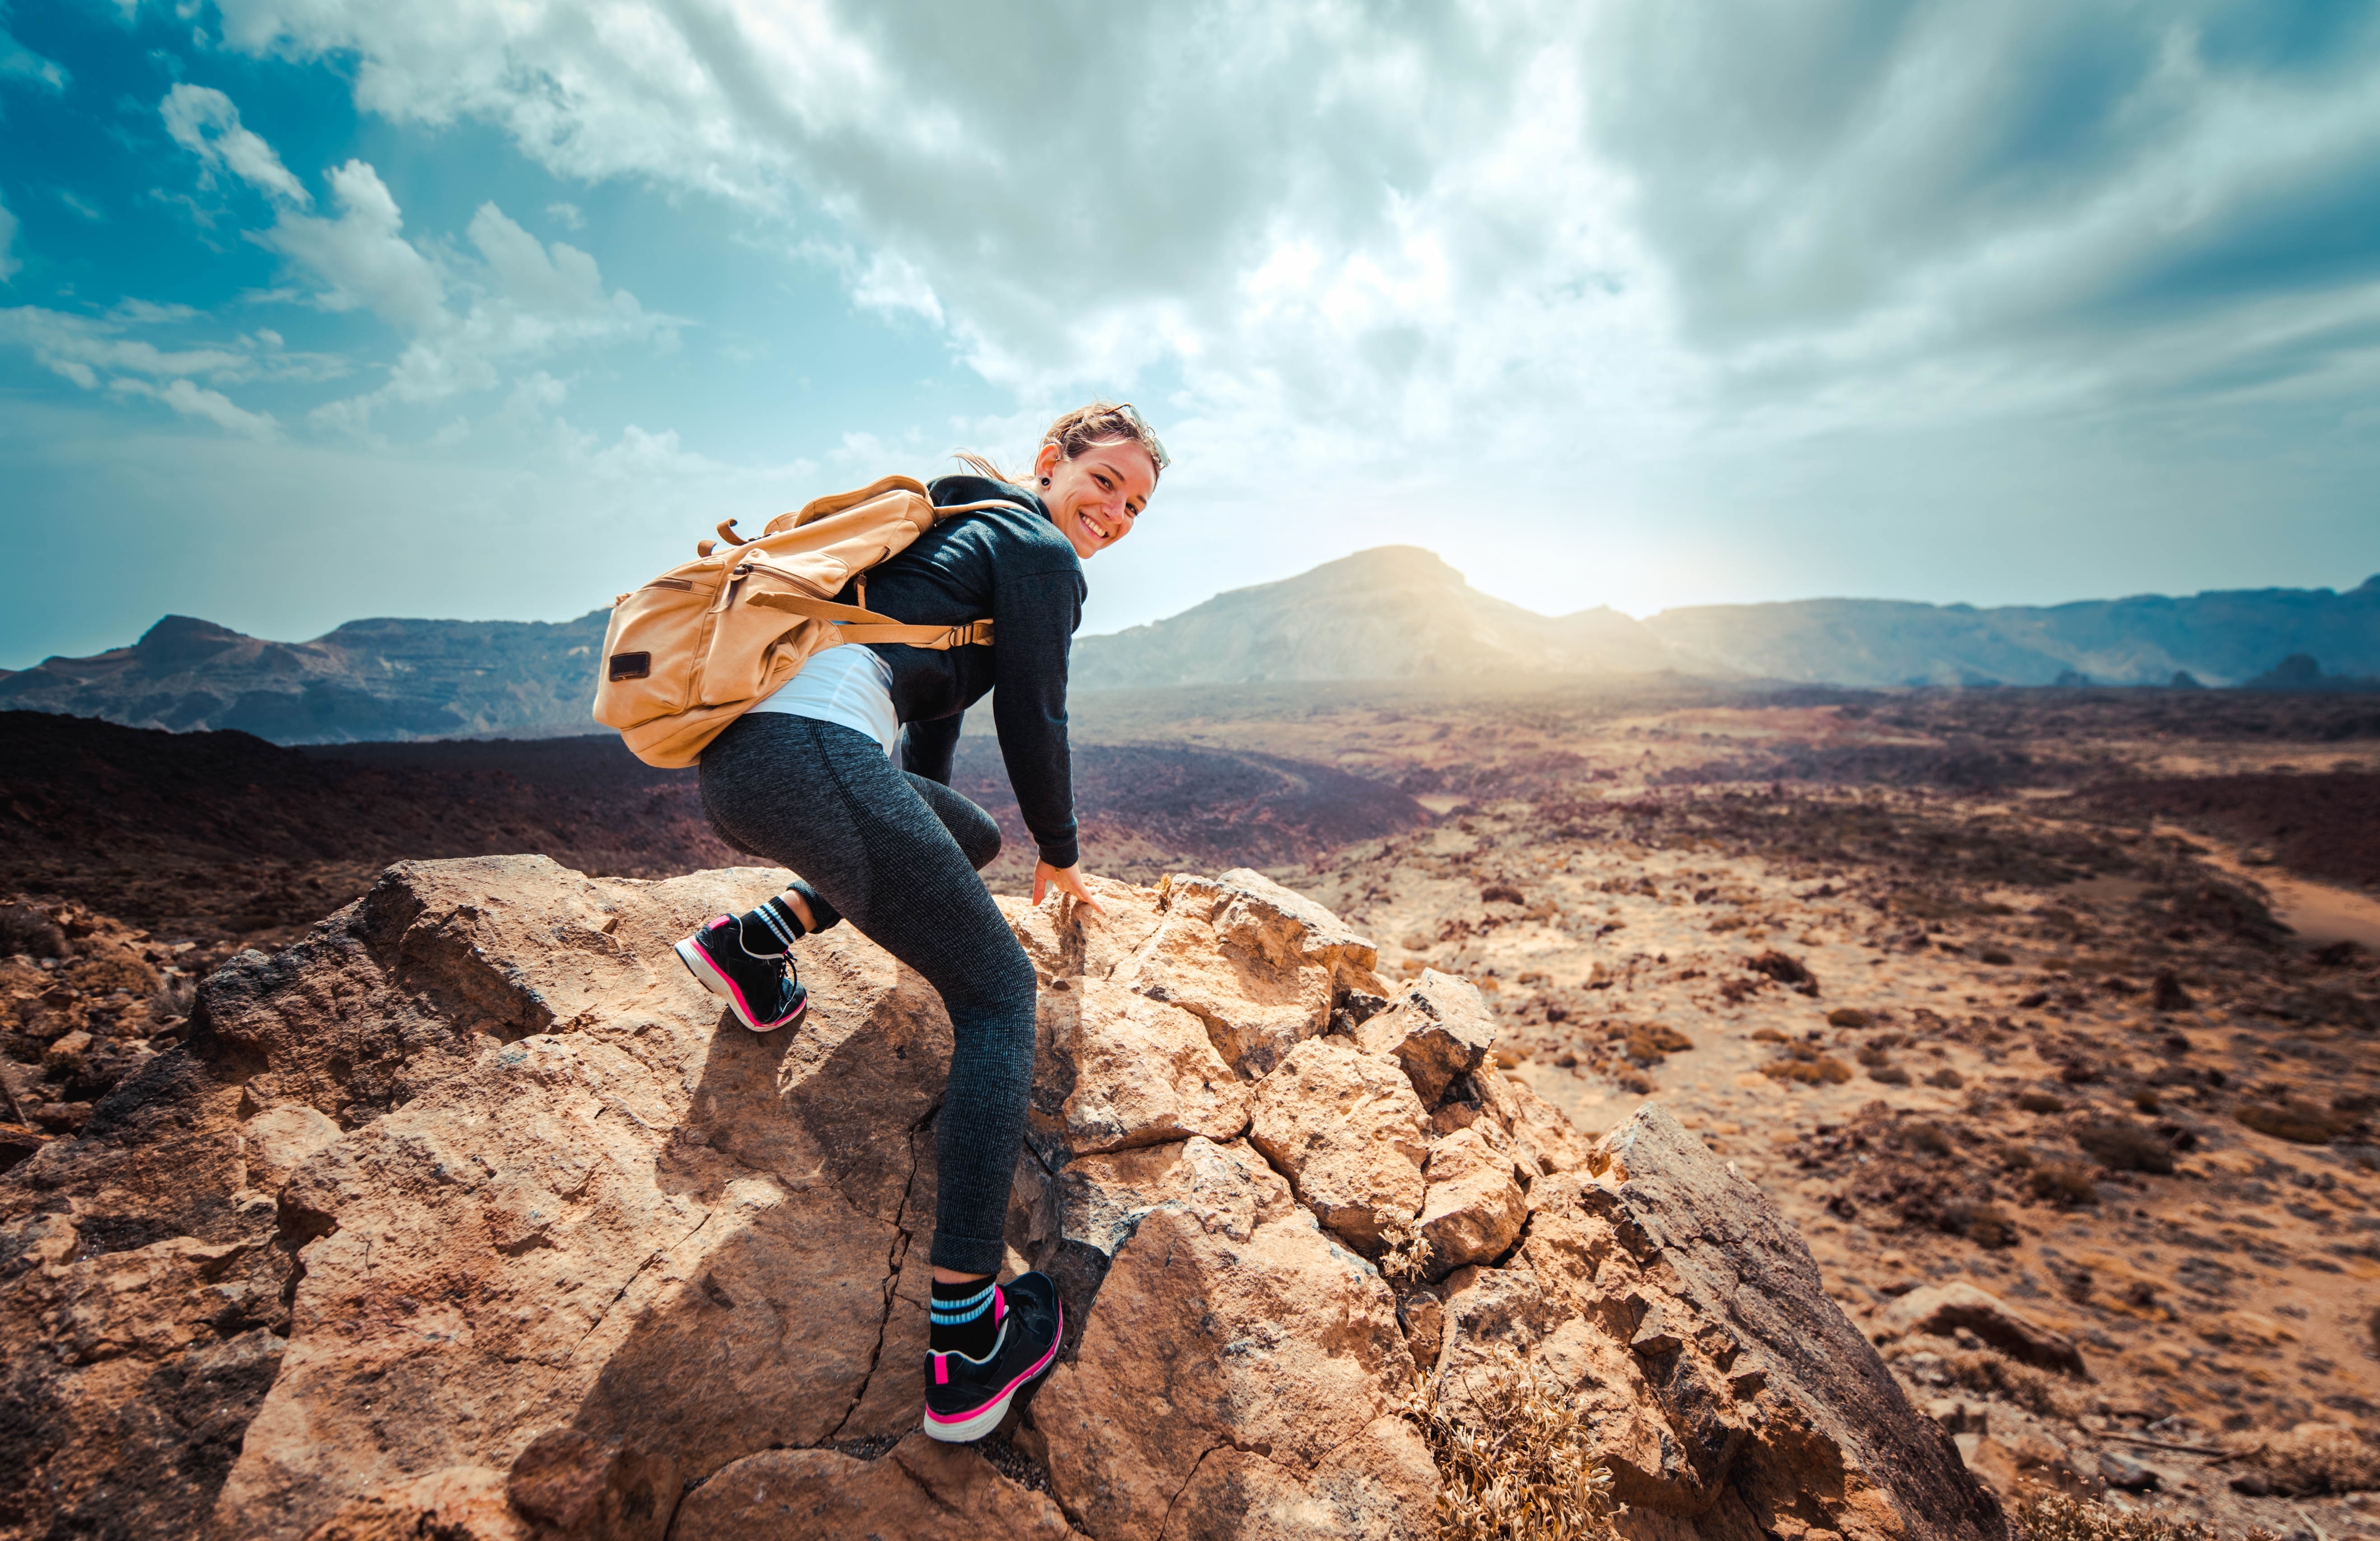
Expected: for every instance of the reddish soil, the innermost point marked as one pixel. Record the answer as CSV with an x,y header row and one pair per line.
x,y
2325,827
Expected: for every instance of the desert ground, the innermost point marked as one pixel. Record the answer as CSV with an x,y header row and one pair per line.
x,y
2071,995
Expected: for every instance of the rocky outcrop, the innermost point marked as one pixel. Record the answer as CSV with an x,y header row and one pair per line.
x,y
1945,1310
472,1215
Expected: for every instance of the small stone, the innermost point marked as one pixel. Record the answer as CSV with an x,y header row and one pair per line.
x,y
65,1055
2122,1471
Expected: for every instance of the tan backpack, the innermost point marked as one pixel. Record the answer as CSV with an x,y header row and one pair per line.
x,y
708,640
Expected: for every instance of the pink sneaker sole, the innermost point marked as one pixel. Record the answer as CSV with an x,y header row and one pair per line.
x,y
718,984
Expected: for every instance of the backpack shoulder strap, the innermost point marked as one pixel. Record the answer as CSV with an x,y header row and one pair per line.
x,y
855,625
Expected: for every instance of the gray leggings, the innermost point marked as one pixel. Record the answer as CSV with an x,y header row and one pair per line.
x,y
898,855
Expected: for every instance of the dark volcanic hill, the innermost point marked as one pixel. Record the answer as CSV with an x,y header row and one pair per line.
x,y
368,680
214,836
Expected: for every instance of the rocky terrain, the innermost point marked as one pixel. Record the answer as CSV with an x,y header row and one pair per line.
x,y
2045,1017
1967,1028
470,1216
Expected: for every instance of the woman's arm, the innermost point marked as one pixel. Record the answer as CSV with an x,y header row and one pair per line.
x,y
1036,613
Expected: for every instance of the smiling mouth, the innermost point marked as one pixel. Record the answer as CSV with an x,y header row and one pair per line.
x,y
1094,528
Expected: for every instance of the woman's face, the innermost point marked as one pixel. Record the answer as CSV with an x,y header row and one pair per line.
x,y
1095,497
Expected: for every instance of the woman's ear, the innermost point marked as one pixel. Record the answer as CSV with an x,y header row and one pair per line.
x,y
1045,462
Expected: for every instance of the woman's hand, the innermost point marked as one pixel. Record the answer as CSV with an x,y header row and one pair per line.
x,y
1068,879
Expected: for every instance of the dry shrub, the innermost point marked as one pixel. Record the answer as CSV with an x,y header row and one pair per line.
x,y
2295,1119
2040,1102
1408,1256
1987,1225
2042,1514
1846,1016
2320,1457
1991,1373
1807,1066
1515,1459
30,931
2064,1183
1923,1135
2120,1145
1769,1035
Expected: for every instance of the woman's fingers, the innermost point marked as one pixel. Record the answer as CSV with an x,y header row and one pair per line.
x,y
1069,880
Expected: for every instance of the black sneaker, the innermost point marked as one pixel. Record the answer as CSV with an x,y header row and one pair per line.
x,y
967,1398
760,986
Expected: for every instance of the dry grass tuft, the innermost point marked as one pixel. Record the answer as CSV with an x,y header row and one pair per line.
x,y
1515,1459
2320,1457
1987,1372
2041,1514
1408,1256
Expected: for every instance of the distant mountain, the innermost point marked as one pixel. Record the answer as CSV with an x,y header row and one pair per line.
x,y
367,680
2222,637
1398,611
1392,613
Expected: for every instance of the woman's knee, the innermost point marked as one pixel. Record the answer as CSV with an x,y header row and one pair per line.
x,y
975,832
979,838
999,989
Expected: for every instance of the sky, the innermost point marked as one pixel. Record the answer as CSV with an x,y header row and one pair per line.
x,y
317,310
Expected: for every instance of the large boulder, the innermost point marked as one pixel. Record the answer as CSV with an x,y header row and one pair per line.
x,y
919,1491
1346,1130
1261,966
472,1216
1730,1391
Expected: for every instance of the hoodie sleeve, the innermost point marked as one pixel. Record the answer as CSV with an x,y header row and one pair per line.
x,y
1035,613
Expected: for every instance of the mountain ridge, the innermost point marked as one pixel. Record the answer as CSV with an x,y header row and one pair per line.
x,y
1388,613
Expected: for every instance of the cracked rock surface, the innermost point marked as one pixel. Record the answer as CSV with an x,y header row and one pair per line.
x,y
472,1215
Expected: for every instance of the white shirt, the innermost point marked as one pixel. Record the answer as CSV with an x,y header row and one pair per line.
x,y
847,685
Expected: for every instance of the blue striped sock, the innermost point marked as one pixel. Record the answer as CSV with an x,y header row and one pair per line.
x,y
964,1318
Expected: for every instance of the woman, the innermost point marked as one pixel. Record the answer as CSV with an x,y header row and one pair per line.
x,y
807,780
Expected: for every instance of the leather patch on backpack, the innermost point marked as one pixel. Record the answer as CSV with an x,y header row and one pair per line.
x,y
631,666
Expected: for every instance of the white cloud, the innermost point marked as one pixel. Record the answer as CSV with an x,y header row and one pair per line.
x,y
99,351
461,322
11,263
566,215
1540,233
203,121
525,300
80,347
193,401
20,62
